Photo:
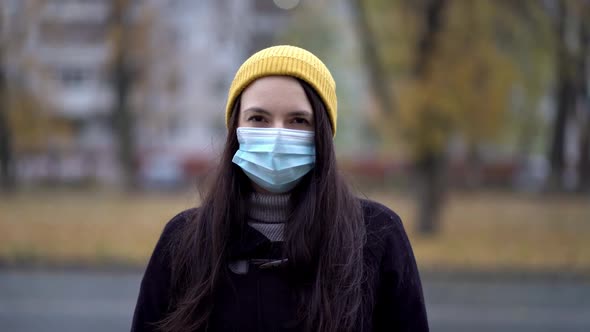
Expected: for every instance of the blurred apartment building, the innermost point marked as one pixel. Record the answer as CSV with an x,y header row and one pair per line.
x,y
190,52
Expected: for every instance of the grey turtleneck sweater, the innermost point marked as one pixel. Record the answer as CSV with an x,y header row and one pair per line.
x,y
268,214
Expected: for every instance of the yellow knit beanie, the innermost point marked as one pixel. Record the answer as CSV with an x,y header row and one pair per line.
x,y
290,61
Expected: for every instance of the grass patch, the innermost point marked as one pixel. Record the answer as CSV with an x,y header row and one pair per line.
x,y
89,228
479,231
492,231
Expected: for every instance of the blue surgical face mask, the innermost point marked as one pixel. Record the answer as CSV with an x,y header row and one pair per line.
x,y
275,158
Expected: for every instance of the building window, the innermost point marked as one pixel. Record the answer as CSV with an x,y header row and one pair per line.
x,y
78,33
73,76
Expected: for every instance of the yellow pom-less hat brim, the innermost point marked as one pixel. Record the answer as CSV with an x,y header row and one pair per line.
x,y
289,61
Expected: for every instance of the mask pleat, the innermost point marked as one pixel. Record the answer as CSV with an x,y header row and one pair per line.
x,y
275,158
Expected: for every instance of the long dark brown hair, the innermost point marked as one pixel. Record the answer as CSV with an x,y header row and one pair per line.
x,y
323,239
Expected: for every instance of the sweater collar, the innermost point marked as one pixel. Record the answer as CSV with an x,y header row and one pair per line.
x,y
269,208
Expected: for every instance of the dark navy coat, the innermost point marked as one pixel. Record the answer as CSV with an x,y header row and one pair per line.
x,y
262,299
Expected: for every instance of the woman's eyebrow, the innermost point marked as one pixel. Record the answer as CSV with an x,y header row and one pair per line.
x,y
300,113
257,110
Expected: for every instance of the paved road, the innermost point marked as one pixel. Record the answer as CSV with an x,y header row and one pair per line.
x,y
93,301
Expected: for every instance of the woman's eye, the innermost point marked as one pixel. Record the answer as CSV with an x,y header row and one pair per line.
x,y
300,121
256,118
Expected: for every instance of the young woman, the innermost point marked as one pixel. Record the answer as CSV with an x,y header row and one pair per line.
x,y
279,242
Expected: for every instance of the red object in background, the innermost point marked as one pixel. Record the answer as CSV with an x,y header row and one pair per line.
x,y
196,166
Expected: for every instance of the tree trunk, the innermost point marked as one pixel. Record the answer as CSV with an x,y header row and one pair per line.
x,y
431,191
565,98
431,164
565,102
377,76
584,98
123,122
584,165
433,17
7,176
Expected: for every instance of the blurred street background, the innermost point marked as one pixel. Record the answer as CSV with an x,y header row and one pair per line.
x,y
469,118
74,300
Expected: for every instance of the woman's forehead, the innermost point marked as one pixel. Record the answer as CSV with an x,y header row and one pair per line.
x,y
275,93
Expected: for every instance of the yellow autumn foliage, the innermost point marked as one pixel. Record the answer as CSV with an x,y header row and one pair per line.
x,y
466,86
33,125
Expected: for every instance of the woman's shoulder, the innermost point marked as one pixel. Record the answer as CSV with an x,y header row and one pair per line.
x,y
171,234
181,218
384,227
177,223
378,215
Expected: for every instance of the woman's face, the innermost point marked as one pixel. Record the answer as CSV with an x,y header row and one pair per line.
x,y
275,102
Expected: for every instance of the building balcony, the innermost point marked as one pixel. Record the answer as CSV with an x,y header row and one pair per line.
x,y
92,54
70,11
80,102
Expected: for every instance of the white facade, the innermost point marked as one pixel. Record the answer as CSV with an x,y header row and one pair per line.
x,y
212,38
70,41
193,51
